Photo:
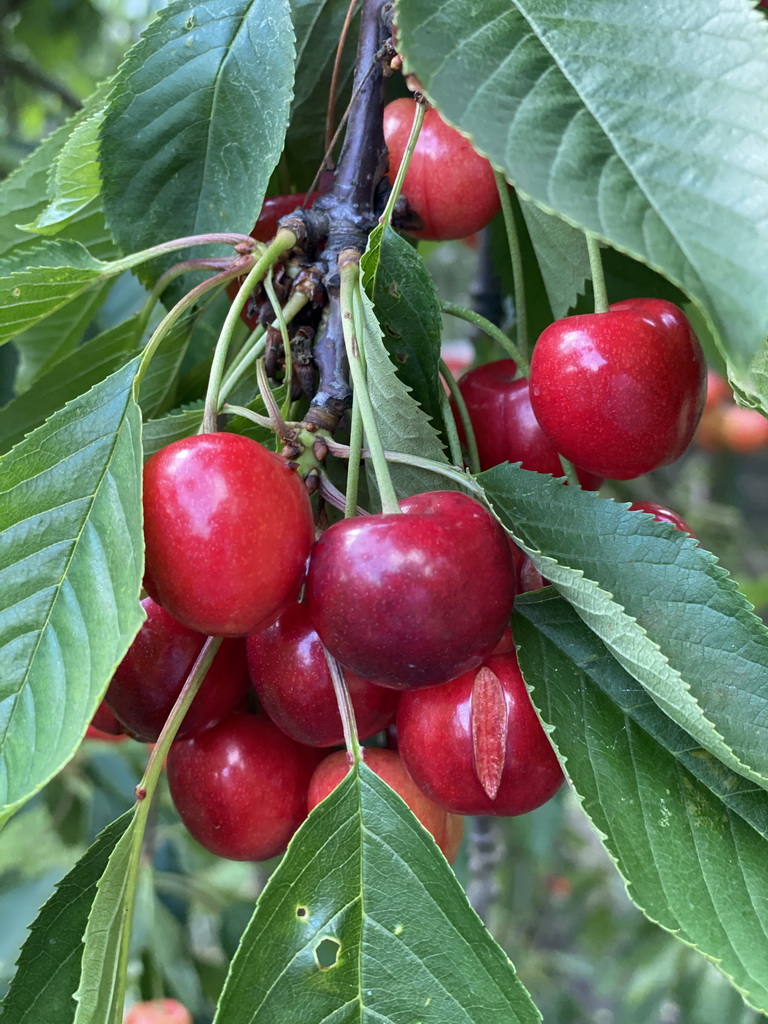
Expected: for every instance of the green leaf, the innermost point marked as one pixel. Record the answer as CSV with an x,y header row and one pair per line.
x,y
670,615
76,178
100,994
561,251
161,432
692,863
70,377
49,962
196,121
158,388
644,124
403,292
70,573
318,25
403,424
363,874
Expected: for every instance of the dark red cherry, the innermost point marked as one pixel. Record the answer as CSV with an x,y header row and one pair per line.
x,y
449,185
228,528
104,726
476,746
620,393
294,687
241,787
505,427
150,677
412,600
446,828
663,515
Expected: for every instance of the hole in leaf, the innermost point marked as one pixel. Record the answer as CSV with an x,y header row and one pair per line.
x,y
301,911
327,953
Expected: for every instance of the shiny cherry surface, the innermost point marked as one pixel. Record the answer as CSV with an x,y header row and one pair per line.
x,y
241,787
506,429
448,184
476,746
150,677
445,827
158,1011
291,678
228,528
620,393
412,600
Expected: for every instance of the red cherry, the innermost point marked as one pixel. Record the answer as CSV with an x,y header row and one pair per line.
x,y
412,600
294,687
662,514
105,722
476,746
743,430
241,787
505,427
448,184
150,677
620,393
158,1011
228,528
718,391
445,827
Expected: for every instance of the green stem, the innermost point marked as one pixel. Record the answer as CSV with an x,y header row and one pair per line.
x,y
394,195
269,288
279,425
146,789
341,451
173,315
353,469
283,241
176,271
461,406
598,276
346,710
248,414
349,270
491,330
136,258
454,445
516,256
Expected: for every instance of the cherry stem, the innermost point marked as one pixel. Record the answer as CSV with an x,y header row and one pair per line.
x,y
269,288
352,327
455,473
330,137
277,422
413,138
598,276
516,256
228,238
491,330
173,315
332,494
255,343
353,470
283,241
346,710
248,414
178,270
461,406
454,445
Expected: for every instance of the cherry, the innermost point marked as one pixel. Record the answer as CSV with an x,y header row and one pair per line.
x,y
150,677
718,391
412,600
505,427
228,527
620,393
476,746
294,687
662,514
241,787
743,430
448,185
104,726
446,828
158,1011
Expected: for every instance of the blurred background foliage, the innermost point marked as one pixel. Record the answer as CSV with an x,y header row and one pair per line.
x,y
542,882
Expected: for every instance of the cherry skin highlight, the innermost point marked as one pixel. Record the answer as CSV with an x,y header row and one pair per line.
x,y
150,677
412,600
446,828
476,746
620,393
662,514
448,185
292,681
506,429
241,787
228,528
